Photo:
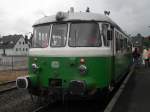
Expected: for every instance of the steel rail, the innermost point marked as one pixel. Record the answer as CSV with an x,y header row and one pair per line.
x,y
8,89
8,82
8,86
41,108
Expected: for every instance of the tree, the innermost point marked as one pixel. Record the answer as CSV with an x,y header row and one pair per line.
x,y
26,39
146,42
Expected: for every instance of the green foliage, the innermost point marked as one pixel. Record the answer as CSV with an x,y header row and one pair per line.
x,y
146,42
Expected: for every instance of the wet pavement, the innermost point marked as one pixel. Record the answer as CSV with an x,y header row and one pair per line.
x,y
136,95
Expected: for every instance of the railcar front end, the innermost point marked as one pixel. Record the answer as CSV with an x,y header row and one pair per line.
x,y
73,56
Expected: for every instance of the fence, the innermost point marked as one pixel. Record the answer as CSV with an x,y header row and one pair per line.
x,y
13,63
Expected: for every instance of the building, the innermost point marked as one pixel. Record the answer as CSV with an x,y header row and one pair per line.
x,y
137,42
13,45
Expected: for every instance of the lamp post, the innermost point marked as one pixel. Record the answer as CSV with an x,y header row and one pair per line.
x,y
3,47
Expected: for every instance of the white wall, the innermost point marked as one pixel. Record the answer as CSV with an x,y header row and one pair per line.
x,y
21,48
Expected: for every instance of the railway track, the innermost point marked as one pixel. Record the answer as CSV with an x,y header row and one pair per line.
x,y
41,108
7,86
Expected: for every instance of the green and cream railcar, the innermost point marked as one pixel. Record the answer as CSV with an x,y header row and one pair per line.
x,y
76,53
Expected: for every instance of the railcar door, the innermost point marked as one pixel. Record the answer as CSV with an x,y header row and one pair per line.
x,y
108,43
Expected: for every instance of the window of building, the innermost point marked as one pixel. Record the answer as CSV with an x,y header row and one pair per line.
x,y
11,42
16,49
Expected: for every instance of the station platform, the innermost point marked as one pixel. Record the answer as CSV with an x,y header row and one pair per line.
x,y
136,95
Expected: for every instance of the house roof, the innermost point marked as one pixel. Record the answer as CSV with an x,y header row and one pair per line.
x,y
9,41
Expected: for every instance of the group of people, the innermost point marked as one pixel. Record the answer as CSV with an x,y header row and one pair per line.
x,y
145,57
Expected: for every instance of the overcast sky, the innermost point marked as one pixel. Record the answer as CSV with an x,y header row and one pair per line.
x,y
18,16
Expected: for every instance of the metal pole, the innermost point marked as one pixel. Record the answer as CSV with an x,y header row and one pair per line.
x,y
12,64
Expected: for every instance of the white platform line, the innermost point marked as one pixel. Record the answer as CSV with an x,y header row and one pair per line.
x,y
117,95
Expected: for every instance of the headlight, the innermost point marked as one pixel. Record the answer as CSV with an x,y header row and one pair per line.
x,y
22,82
34,67
82,69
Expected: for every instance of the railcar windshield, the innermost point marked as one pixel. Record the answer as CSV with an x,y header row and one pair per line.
x,y
41,36
84,35
59,35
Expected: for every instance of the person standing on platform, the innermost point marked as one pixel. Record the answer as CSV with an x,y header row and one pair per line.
x,y
136,56
149,57
145,57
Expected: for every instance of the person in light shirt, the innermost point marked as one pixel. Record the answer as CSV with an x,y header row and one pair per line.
x,y
145,57
149,57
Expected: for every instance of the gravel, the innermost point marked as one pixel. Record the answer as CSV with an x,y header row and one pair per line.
x,y
19,101
16,101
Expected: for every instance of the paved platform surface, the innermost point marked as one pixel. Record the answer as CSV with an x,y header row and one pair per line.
x,y
136,95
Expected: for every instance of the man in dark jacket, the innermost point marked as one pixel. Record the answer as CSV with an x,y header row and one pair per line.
x,y
136,56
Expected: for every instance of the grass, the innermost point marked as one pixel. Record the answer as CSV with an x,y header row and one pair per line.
x,y
11,75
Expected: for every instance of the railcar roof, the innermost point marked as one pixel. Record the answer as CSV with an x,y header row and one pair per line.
x,y
78,16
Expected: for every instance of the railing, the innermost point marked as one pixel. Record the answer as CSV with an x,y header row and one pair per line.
x,y
13,63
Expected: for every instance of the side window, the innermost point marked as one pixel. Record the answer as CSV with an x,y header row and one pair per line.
x,y
117,41
129,46
125,43
104,33
121,42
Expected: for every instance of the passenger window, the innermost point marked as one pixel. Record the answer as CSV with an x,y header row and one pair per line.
x,y
117,41
125,42
104,33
